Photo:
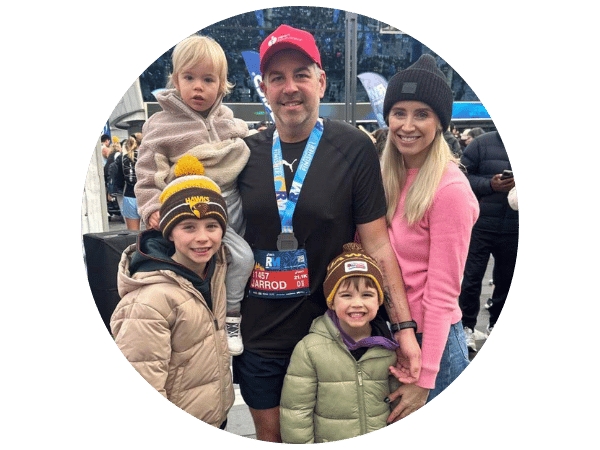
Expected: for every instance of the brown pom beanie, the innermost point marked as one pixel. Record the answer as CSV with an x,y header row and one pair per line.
x,y
423,82
190,194
353,262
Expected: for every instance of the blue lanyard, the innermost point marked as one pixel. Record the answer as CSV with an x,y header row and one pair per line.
x,y
287,204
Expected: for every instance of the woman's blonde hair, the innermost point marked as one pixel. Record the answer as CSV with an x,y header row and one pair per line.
x,y
115,146
197,49
131,145
420,195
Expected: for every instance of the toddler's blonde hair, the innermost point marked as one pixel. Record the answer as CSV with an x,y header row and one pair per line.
x,y
197,49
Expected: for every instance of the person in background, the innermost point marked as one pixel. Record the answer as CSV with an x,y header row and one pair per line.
x,y
114,207
455,131
194,121
380,135
472,134
453,143
170,321
310,186
431,210
495,233
513,201
321,400
123,180
463,138
368,133
114,151
106,147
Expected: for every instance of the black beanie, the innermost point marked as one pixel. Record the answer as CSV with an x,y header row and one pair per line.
x,y
422,82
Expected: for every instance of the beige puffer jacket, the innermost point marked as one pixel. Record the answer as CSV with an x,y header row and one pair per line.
x,y
165,329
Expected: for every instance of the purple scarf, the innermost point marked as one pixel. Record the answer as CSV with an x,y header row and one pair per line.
x,y
370,341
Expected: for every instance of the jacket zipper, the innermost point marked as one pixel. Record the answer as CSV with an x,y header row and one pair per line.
x,y
361,400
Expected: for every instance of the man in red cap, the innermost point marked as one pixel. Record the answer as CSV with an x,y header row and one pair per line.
x,y
293,121
310,185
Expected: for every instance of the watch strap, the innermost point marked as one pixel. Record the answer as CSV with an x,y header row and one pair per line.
x,y
395,327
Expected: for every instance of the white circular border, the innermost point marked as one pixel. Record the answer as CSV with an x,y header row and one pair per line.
x,y
69,385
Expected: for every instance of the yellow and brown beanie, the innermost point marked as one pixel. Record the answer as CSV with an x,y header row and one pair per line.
x,y
190,195
352,262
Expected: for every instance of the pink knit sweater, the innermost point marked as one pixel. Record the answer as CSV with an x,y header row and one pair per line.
x,y
432,256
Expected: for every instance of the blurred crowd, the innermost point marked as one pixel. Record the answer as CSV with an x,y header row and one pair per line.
x,y
379,52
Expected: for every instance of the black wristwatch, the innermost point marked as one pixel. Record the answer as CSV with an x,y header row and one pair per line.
x,y
402,325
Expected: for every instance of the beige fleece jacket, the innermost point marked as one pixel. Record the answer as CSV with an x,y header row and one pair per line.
x,y
216,140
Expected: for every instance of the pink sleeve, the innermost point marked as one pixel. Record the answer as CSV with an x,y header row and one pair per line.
x,y
450,221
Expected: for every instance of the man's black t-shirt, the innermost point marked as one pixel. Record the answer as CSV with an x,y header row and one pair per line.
x,y
342,188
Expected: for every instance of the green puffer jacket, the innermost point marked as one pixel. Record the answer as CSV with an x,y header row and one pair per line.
x,y
327,394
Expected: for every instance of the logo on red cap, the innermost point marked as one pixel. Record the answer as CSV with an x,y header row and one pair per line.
x,y
286,37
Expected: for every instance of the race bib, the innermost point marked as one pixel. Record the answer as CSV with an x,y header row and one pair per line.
x,y
279,274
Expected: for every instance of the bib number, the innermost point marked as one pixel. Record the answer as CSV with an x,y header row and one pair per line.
x,y
279,274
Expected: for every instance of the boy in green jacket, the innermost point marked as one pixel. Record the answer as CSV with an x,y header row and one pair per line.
x,y
338,375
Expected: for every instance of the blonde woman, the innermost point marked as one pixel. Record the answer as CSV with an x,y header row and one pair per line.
x,y
431,210
129,209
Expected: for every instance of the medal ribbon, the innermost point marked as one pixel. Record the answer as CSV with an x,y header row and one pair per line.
x,y
287,204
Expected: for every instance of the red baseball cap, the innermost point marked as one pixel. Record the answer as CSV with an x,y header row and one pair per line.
x,y
285,37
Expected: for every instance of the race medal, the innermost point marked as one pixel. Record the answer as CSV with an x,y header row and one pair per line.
x,y
279,274
287,241
284,273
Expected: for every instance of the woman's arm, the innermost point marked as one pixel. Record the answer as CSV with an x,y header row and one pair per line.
x,y
375,240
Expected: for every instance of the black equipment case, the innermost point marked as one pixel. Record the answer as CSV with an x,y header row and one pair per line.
x,y
102,255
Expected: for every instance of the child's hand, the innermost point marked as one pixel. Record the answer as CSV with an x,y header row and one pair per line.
x,y
154,219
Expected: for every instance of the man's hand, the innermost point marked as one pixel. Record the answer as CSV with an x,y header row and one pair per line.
x,y
500,185
408,357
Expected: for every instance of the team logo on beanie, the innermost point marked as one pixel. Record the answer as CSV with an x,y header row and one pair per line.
x,y
199,206
352,262
355,266
191,195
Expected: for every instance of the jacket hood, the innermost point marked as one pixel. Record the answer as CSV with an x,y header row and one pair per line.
x,y
148,260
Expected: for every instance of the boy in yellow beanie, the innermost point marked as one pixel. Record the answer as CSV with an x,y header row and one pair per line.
x,y
170,322
338,377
